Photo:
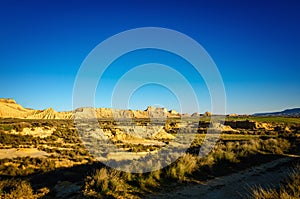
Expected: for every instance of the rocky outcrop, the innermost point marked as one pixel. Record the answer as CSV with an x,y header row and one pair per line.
x,y
10,109
150,112
50,113
154,112
174,113
231,126
203,125
163,135
223,128
185,115
250,125
207,114
7,100
195,115
245,124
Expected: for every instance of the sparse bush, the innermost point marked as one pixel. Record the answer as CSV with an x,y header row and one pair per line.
x,y
23,166
12,189
250,147
275,146
289,190
147,182
221,156
261,193
156,174
184,166
105,182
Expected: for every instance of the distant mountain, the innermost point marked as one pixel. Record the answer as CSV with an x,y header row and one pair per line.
x,y
287,112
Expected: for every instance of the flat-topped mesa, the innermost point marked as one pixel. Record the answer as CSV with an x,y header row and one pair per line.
x,y
153,108
155,112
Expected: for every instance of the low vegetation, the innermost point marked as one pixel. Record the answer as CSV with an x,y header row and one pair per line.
x,y
224,158
23,166
12,189
288,190
68,160
269,119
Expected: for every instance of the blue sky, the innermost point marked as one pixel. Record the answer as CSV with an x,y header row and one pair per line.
x,y
255,44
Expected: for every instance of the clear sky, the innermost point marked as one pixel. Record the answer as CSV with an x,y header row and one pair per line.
x,y
255,44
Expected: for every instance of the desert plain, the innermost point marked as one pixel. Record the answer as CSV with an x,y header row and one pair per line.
x,y
151,153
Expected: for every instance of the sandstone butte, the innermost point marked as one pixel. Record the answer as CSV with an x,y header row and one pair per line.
x,y
10,109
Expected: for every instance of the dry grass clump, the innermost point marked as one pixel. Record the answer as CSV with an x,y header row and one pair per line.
x,y
184,166
261,193
290,189
105,182
275,146
108,182
12,189
146,182
22,166
233,152
227,153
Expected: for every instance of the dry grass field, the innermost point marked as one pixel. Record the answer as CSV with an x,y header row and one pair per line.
x,y
47,159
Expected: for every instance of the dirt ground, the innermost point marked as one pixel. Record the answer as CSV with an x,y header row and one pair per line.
x,y
237,185
22,152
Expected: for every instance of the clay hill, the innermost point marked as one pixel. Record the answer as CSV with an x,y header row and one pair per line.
x,y
10,109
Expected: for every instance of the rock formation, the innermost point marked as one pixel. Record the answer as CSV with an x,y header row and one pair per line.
x,y
10,109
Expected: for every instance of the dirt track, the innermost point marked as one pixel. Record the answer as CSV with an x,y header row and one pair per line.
x,y
236,185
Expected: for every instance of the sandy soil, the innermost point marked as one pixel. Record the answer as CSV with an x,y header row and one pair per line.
x,y
236,185
35,132
21,152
